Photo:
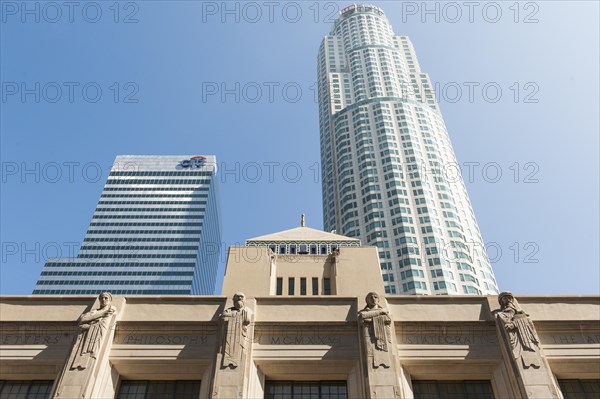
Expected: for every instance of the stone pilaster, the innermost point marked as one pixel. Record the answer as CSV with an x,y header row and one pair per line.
x,y
88,358
233,362
527,366
378,351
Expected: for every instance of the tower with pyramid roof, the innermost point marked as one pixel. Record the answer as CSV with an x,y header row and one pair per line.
x,y
302,261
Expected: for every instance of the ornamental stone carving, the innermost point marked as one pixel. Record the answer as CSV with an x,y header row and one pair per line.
x,y
89,353
234,323
375,324
233,360
93,327
522,352
520,330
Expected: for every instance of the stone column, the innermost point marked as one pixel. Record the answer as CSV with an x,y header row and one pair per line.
x,y
90,351
527,366
378,350
233,360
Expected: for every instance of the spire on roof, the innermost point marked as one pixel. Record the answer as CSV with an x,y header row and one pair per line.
x,y
302,220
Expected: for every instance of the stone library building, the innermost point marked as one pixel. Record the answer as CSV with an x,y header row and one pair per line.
x,y
302,314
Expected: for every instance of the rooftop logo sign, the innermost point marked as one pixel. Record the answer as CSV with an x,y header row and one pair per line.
x,y
193,162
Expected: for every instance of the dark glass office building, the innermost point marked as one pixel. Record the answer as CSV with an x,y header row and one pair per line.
x,y
156,231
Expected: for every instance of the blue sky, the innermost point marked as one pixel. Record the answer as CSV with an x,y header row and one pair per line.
x,y
148,77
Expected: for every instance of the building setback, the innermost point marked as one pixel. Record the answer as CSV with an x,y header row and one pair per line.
x,y
268,337
389,172
156,230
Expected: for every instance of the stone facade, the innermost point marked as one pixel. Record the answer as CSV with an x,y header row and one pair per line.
x,y
344,331
301,338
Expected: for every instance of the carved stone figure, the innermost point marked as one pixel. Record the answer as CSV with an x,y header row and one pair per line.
x,y
520,330
377,334
235,322
93,326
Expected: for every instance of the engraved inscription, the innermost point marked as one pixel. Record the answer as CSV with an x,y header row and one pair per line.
x,y
444,339
37,335
290,335
445,334
138,339
304,340
562,339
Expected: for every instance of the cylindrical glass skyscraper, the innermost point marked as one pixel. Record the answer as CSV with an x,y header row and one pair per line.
x,y
388,167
